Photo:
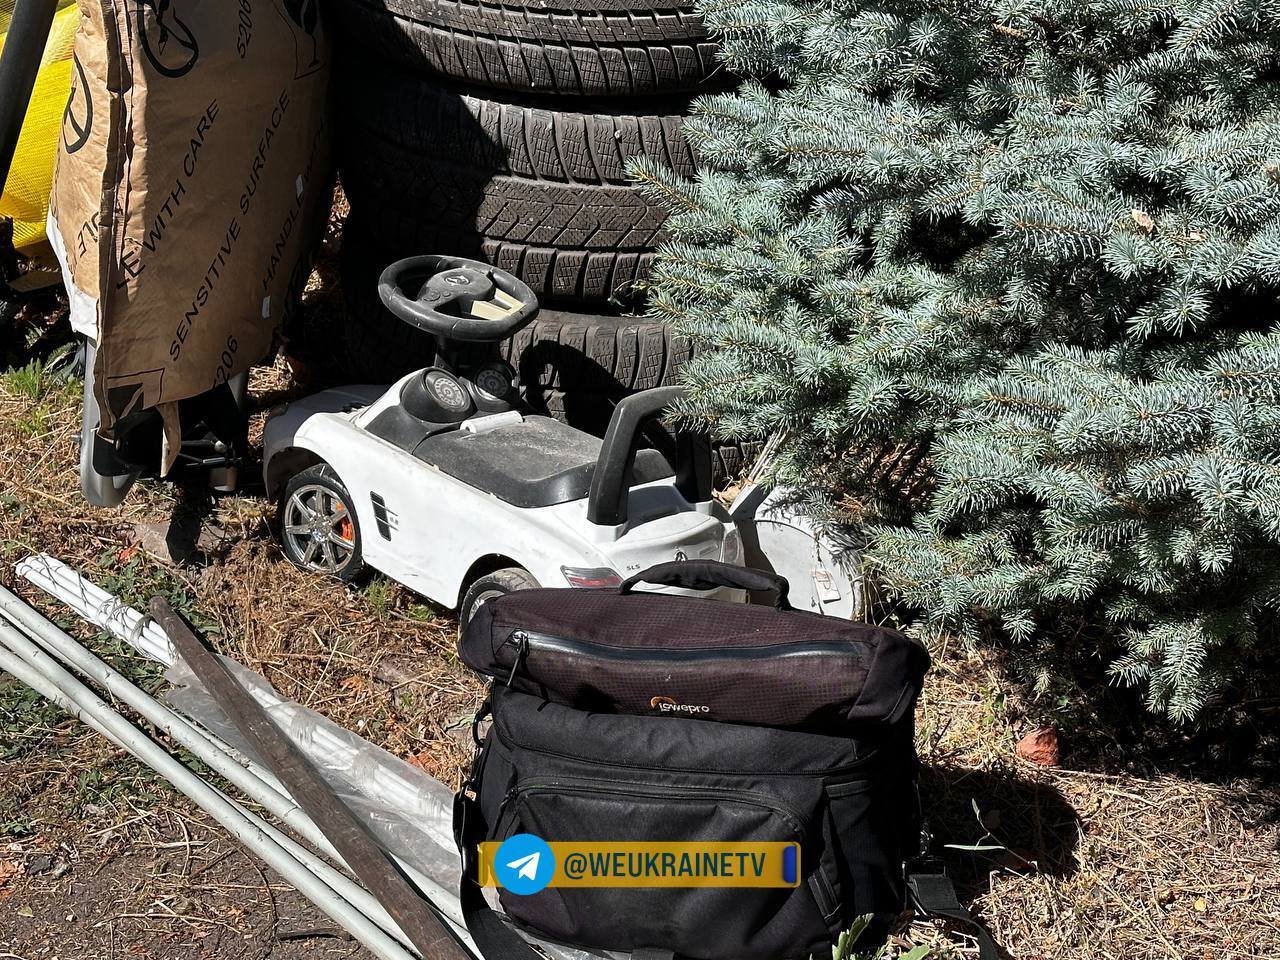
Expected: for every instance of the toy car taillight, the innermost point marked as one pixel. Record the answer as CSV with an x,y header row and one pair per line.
x,y
590,577
731,552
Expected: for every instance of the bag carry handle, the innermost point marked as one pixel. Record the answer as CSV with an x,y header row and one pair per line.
x,y
708,575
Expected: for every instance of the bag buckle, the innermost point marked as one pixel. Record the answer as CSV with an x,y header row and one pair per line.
x,y
925,861
924,864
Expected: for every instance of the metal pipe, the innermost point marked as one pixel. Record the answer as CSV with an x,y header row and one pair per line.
x,y
38,671
19,65
327,749
246,775
220,759
106,611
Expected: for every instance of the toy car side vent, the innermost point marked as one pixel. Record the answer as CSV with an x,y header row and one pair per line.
x,y
385,518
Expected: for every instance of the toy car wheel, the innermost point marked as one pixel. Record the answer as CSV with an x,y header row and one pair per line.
x,y
318,527
496,584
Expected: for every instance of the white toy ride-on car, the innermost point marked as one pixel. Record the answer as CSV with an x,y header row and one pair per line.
x,y
444,484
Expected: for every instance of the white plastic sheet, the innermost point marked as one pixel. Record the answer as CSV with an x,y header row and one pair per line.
x,y
409,812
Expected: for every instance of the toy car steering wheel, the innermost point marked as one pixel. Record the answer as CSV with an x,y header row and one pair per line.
x,y
457,299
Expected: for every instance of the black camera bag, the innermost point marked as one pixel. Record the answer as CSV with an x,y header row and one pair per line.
x,y
807,737
658,654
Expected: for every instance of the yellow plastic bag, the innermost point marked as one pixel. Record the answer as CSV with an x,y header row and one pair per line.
x,y
26,192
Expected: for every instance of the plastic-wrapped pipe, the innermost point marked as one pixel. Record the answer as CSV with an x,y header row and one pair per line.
x,y
94,604
101,608
246,775
263,789
38,671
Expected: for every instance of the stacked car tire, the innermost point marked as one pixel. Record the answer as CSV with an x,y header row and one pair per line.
x,y
501,130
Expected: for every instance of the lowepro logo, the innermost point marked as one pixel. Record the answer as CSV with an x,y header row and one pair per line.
x,y
667,705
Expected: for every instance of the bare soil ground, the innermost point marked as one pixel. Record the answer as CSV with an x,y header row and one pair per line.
x,y
1096,858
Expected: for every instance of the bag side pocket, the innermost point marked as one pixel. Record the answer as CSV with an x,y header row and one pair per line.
x,y
749,923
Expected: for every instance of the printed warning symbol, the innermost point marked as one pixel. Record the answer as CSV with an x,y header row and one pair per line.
x,y
303,20
133,392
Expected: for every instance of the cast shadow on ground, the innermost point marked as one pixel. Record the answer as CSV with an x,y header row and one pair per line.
x,y
1030,825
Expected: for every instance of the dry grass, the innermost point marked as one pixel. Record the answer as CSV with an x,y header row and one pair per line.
x,y
1094,863
378,658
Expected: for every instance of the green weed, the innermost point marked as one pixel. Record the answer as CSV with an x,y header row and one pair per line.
x,y
379,594
28,381
34,422
25,719
16,828
422,613
843,948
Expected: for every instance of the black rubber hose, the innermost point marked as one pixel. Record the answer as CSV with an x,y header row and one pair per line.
x,y
19,64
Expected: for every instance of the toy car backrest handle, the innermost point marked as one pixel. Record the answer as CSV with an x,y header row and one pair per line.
x,y
611,482
709,575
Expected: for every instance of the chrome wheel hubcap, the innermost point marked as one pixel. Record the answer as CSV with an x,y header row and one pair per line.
x,y
319,529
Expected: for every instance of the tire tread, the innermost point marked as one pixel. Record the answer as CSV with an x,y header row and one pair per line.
x,y
571,242
593,48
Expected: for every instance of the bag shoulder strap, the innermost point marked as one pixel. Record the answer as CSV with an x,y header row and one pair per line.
x,y
493,938
934,895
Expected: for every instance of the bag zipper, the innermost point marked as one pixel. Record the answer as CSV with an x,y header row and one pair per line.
x,y
521,641
525,641
819,884
654,791
859,763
